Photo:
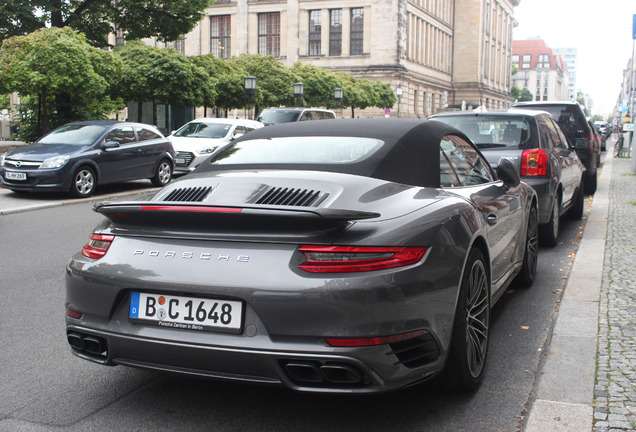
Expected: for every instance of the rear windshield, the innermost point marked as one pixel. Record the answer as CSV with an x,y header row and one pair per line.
x,y
278,116
79,135
204,130
298,150
495,131
569,117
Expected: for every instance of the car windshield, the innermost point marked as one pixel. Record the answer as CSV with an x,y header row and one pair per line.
x,y
494,131
279,116
203,130
298,150
79,135
567,116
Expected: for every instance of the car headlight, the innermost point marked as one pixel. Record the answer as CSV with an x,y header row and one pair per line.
x,y
55,162
207,150
2,159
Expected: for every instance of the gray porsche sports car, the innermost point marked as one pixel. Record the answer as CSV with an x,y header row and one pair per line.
x,y
350,256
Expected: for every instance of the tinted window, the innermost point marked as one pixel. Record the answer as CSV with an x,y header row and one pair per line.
x,y
467,163
569,117
122,135
303,150
204,130
495,130
278,116
80,135
556,138
146,134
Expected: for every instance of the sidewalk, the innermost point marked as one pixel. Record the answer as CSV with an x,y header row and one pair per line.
x,y
588,381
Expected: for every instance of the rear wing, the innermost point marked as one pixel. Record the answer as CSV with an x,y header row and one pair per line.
x,y
190,217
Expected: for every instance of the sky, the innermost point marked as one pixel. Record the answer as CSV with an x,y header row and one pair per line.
x,y
601,30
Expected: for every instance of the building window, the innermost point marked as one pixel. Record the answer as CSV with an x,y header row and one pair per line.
x,y
526,61
357,31
335,32
269,34
220,36
543,61
515,60
315,32
179,45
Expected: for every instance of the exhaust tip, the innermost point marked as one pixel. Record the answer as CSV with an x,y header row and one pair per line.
x,y
341,374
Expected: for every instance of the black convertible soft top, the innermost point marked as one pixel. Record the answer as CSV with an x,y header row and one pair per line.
x,y
409,155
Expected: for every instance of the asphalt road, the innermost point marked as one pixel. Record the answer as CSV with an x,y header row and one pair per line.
x,y
45,388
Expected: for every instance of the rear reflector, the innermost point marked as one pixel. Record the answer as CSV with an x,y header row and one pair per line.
x,y
73,314
341,259
534,163
97,246
359,342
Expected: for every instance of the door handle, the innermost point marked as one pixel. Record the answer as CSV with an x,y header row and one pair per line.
x,y
492,219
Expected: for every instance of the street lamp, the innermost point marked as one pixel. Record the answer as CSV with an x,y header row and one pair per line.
x,y
298,93
337,96
398,92
250,93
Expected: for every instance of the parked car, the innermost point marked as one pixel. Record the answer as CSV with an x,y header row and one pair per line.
x,y
601,133
537,147
198,139
77,157
571,119
603,128
344,256
270,116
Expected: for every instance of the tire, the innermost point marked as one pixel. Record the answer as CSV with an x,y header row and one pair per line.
x,y
576,212
549,232
83,182
469,345
590,184
531,252
163,173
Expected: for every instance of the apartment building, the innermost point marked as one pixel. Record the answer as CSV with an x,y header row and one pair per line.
x,y
436,54
540,70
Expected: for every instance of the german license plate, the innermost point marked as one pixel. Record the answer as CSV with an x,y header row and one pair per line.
x,y
180,161
15,176
189,313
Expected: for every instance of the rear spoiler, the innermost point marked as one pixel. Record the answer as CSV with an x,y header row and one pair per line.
x,y
189,216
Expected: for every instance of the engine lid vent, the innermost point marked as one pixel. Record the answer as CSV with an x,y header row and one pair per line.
x,y
290,197
191,194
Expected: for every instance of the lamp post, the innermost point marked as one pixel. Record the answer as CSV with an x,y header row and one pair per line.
x,y
298,93
337,96
250,93
398,92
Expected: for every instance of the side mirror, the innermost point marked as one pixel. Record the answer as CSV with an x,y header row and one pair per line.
x,y
110,145
507,171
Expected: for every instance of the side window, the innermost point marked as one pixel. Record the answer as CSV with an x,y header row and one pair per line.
x,y
122,135
545,135
470,167
447,175
240,130
306,116
554,134
146,134
562,137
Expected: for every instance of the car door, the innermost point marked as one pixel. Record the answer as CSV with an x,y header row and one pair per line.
x,y
116,163
500,207
568,159
152,146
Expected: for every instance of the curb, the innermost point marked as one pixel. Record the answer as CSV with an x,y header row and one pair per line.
x,y
565,393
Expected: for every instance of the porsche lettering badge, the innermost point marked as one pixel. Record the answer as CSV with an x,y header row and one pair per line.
x,y
206,256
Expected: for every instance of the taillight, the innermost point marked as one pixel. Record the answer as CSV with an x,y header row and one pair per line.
x,y
359,342
590,140
97,246
340,259
534,163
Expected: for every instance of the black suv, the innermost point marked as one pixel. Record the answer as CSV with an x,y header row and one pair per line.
x,y
571,119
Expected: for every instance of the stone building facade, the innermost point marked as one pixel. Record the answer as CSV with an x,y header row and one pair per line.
x,y
436,54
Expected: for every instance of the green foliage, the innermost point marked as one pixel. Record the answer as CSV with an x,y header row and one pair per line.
x,y
319,84
151,73
66,77
5,101
227,78
165,19
274,80
597,117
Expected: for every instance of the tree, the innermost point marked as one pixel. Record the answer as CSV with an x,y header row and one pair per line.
x,y
227,78
319,84
165,19
62,77
521,95
150,73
